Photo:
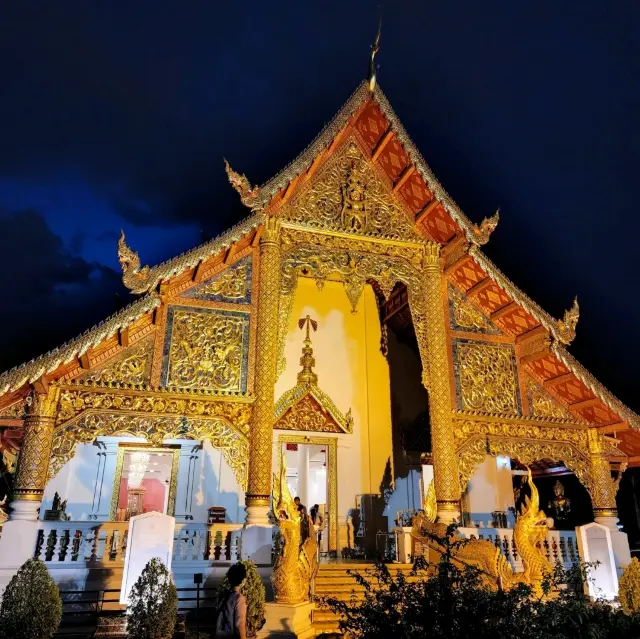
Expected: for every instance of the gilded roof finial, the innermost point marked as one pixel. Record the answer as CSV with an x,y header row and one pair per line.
x,y
239,181
483,232
307,361
134,277
375,47
566,331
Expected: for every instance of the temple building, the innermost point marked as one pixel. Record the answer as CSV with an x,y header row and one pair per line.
x,y
351,326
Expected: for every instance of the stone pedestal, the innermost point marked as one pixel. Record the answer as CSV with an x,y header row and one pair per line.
x,y
403,544
256,542
17,545
594,545
288,620
619,542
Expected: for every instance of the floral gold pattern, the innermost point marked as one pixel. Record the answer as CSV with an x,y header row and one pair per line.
x,y
132,367
467,317
541,404
486,377
206,349
231,285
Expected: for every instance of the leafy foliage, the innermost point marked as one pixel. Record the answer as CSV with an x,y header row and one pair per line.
x,y
629,588
449,600
31,605
254,592
153,604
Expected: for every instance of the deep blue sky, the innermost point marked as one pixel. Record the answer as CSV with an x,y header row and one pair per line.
x,y
118,114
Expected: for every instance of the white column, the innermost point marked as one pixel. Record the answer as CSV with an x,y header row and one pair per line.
x,y
105,487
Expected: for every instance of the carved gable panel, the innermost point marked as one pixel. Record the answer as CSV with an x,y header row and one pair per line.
x,y
486,378
308,415
541,404
231,285
206,349
348,196
132,366
464,316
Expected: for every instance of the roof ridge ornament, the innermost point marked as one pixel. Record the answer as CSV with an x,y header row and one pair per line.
x,y
483,232
566,331
240,182
375,47
134,277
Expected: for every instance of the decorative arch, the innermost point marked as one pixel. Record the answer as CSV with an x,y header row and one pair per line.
x,y
473,452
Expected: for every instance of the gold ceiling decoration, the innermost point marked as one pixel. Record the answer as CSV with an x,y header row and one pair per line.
x,y
231,285
465,316
541,404
306,407
487,379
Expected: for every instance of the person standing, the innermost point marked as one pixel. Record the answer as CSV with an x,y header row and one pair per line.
x,y
231,613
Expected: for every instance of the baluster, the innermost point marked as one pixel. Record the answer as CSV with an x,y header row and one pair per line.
x,y
184,544
545,546
563,550
572,551
198,553
125,541
88,545
234,546
554,548
57,549
101,544
40,545
217,547
514,549
505,546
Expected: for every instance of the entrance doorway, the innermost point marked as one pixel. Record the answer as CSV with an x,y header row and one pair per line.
x,y
312,475
145,481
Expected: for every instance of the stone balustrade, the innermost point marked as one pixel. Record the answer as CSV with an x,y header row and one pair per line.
x,y
103,545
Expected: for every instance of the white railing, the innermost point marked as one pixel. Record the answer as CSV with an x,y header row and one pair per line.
x,y
559,545
96,545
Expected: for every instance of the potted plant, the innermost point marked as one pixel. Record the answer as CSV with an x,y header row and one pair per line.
x,y
31,605
153,604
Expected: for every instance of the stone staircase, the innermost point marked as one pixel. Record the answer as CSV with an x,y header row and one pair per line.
x,y
333,580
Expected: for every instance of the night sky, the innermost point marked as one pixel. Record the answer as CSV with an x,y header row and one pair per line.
x,y
118,114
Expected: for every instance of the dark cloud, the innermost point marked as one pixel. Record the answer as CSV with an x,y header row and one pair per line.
x,y
50,294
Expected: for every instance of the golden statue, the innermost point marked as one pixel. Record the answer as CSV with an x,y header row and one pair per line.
x,y
354,202
3,514
487,227
134,278
567,325
239,181
560,506
530,531
430,505
297,561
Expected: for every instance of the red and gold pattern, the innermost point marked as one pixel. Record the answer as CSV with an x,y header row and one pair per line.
x,y
573,391
438,225
467,274
415,193
516,322
492,298
371,125
548,367
393,159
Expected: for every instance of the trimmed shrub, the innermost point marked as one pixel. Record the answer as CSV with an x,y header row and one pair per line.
x,y
31,605
254,592
153,604
629,588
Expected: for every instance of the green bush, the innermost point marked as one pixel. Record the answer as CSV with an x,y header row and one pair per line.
x,y
629,588
153,604
31,605
446,600
254,592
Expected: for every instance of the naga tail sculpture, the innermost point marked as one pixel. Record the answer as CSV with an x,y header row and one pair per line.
x,y
134,277
529,533
297,561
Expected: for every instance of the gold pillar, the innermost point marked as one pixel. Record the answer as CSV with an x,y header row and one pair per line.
x,y
258,495
35,453
445,460
603,492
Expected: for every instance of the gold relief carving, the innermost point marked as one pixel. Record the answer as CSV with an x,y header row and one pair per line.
x,y
15,411
76,401
527,451
604,490
445,460
259,486
487,378
35,450
567,325
207,350
348,196
541,404
221,431
132,367
232,284
466,316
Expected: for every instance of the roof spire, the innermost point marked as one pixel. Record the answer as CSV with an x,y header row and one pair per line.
x,y
307,375
372,60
